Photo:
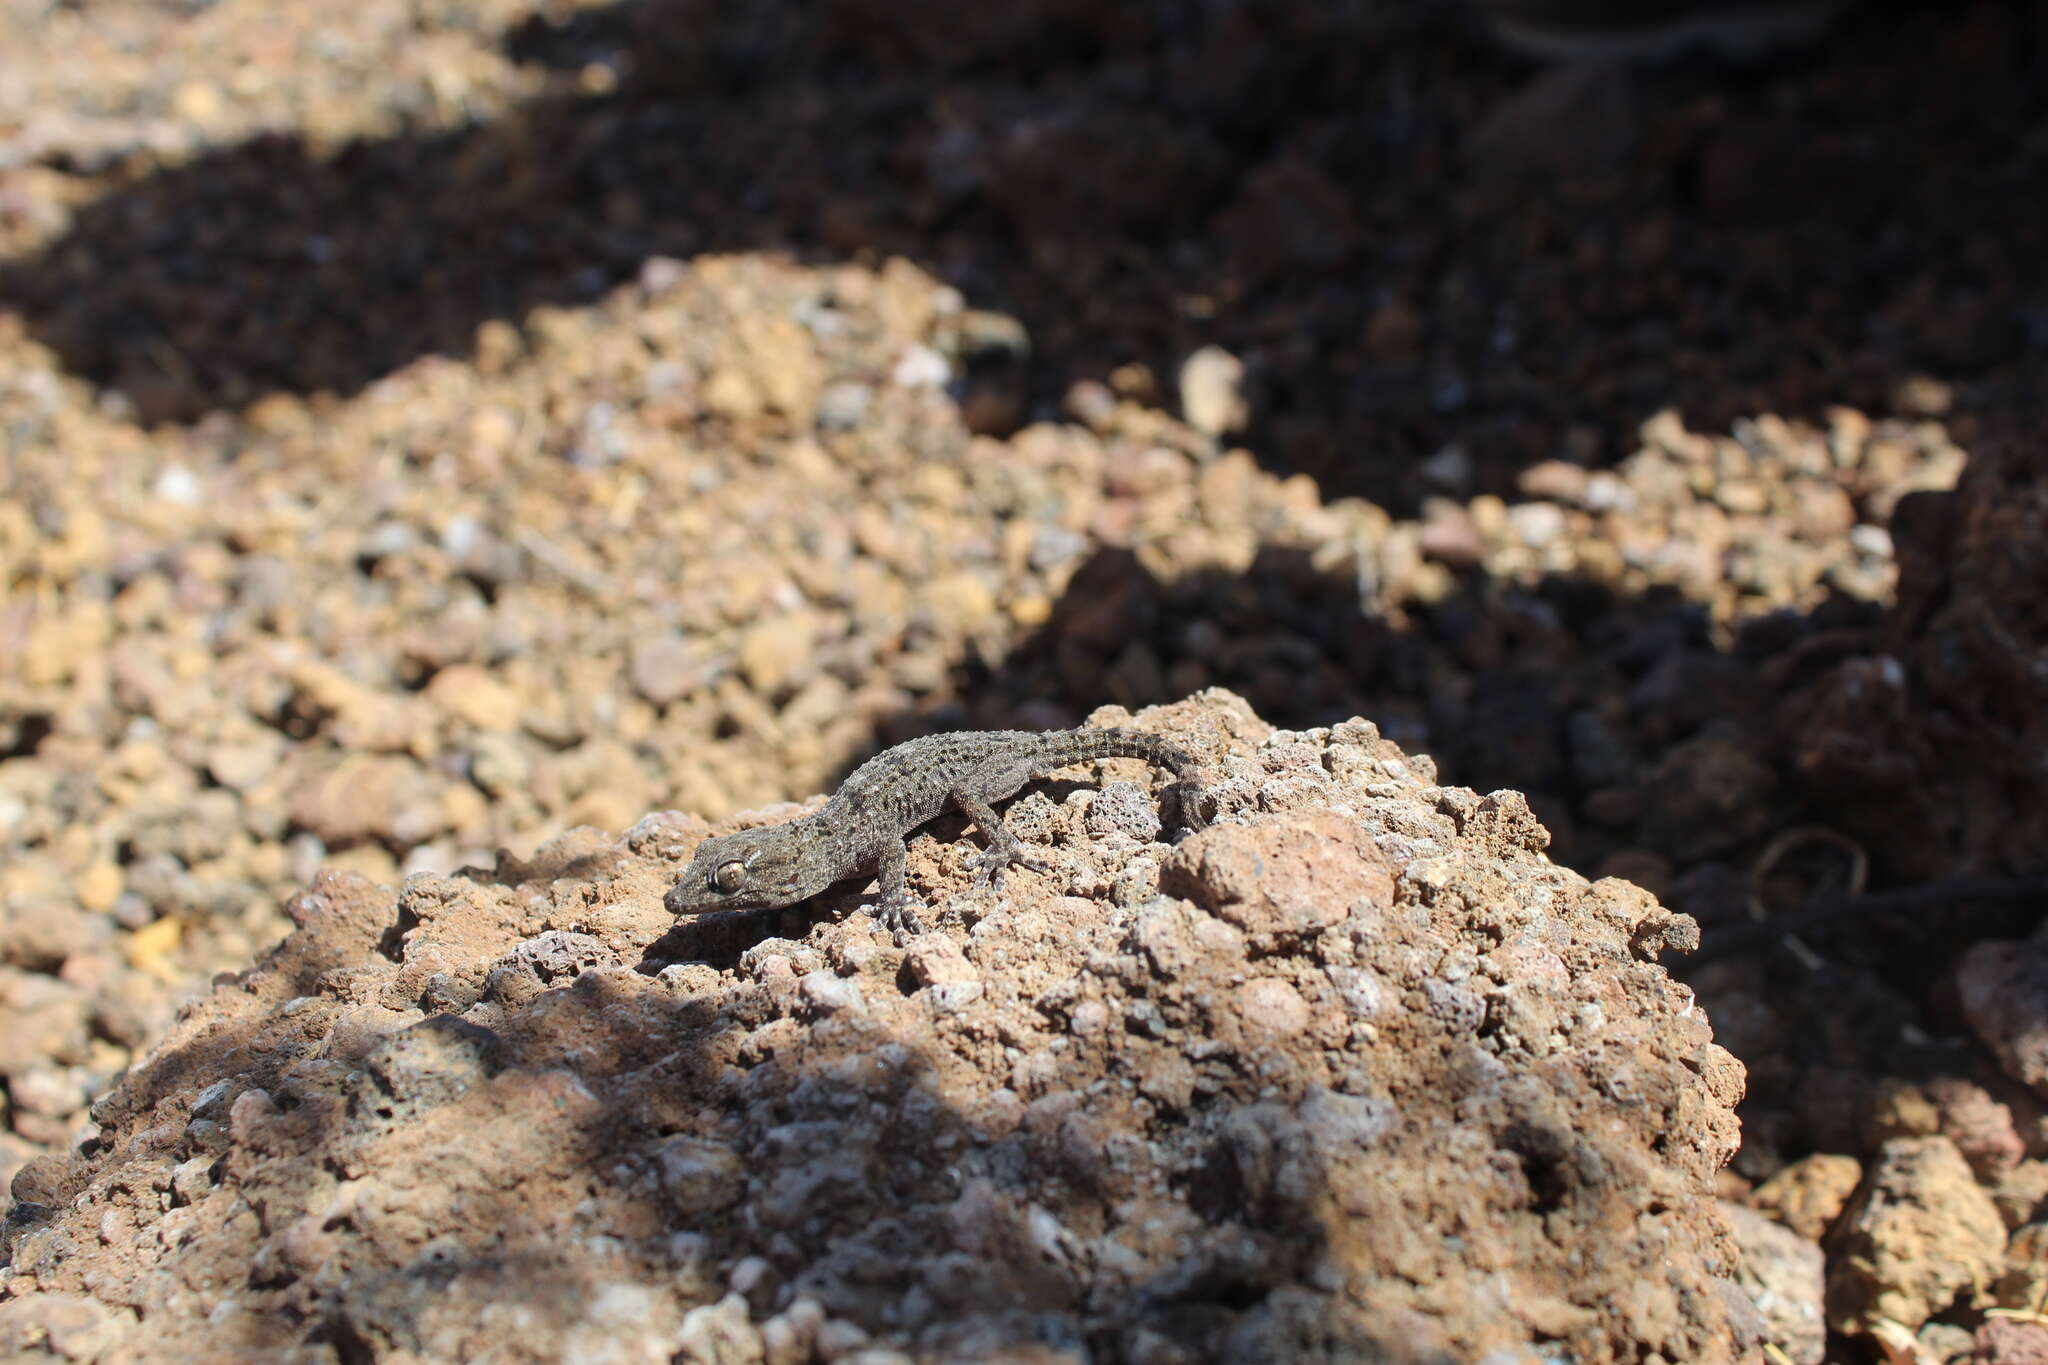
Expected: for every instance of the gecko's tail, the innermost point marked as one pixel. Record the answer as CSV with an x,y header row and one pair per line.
x,y
1110,743
1164,753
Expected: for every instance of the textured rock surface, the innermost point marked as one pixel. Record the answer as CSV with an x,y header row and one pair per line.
x,y
1421,1093
1972,624
1784,1275
521,480
521,488
1919,1233
1807,1195
2002,989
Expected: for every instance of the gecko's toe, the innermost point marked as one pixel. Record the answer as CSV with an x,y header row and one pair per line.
x,y
988,867
990,864
898,916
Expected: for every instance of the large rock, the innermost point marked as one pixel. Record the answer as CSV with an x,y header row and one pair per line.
x,y
2002,988
1960,789
1423,1095
1784,1276
1919,1232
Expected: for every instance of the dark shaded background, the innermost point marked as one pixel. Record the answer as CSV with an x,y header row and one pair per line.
x,y
1410,239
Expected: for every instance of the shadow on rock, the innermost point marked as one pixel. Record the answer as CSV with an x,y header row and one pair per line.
x,y
1319,191
1151,1108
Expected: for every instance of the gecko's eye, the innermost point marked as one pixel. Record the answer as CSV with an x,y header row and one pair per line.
x,y
729,876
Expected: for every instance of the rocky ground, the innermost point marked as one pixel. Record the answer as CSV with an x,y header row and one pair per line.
x,y
1354,1073
428,429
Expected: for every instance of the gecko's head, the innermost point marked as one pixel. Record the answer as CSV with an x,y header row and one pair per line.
x,y
755,869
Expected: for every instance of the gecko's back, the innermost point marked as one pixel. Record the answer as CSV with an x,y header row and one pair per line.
x,y
901,788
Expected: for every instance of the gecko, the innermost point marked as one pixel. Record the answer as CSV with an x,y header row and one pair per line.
x,y
864,827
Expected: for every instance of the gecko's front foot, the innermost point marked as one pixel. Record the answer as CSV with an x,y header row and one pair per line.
x,y
898,914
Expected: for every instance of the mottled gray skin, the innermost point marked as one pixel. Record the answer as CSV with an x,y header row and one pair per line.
x,y
863,827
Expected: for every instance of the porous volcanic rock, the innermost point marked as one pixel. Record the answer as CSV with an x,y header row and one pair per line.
x,y
1355,1073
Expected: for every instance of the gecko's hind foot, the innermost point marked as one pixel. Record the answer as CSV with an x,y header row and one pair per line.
x,y
990,864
